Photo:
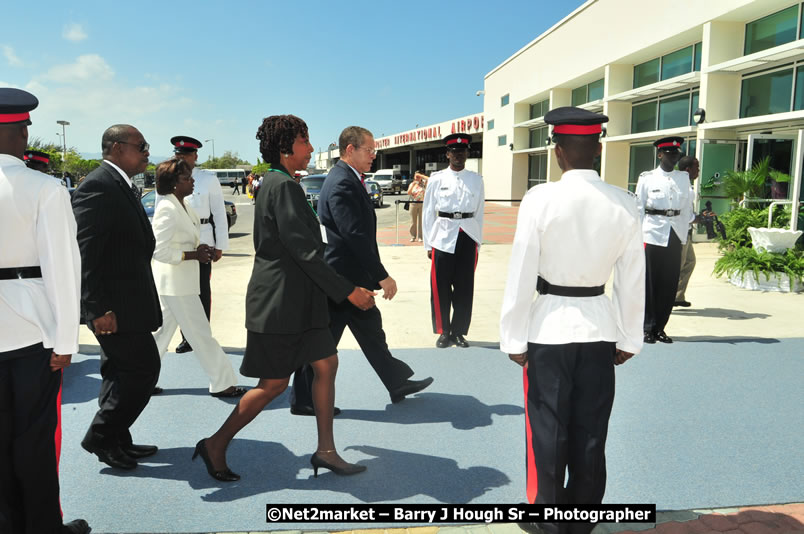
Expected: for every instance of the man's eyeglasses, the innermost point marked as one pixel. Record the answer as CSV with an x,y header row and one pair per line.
x,y
370,151
142,147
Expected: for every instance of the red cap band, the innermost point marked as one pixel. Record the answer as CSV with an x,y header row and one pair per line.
x,y
186,144
39,158
458,141
14,117
669,143
577,129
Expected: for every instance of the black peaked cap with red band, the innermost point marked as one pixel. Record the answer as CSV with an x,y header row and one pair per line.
x,y
669,144
570,120
36,155
15,105
183,144
457,140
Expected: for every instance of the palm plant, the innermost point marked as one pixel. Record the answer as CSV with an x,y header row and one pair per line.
x,y
742,185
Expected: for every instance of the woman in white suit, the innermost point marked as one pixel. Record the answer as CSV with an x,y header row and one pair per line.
x,y
176,257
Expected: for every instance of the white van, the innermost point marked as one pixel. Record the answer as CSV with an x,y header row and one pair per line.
x,y
229,176
390,180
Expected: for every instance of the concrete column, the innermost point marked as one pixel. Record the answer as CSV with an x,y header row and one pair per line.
x,y
560,97
614,163
720,91
619,78
519,182
554,172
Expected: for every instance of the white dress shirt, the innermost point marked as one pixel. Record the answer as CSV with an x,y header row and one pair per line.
x,y
662,190
207,198
123,174
37,227
452,192
574,232
176,230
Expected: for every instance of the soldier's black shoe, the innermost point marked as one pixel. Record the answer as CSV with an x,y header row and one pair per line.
x,y
183,347
664,338
443,342
409,387
139,451
460,340
650,337
111,456
77,526
682,303
157,391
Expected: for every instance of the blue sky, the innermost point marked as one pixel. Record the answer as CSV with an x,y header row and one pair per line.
x,y
215,69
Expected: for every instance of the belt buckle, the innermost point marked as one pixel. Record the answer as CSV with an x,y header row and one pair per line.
x,y
457,215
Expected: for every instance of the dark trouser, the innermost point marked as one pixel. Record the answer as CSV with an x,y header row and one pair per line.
x,y
452,285
569,392
687,266
29,479
662,266
366,326
205,275
130,368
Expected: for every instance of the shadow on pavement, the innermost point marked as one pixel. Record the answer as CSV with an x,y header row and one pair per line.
x,y
731,340
78,386
722,313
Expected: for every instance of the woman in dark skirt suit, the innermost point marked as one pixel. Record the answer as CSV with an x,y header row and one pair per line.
x,y
286,304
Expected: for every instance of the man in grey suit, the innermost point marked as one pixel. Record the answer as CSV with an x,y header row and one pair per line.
x,y
119,302
347,213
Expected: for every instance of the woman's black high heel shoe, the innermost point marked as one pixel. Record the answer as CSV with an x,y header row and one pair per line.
x,y
225,475
317,462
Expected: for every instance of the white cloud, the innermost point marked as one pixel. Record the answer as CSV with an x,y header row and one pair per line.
x,y
74,32
90,67
11,57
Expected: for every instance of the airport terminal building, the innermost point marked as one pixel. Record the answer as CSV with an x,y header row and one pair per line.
x,y
650,66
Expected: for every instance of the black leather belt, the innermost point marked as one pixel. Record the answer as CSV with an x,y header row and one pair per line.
x,y
456,215
17,273
666,213
205,221
546,288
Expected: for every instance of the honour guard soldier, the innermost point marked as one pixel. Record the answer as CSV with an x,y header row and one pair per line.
x,y
40,281
452,226
663,196
570,236
37,160
207,201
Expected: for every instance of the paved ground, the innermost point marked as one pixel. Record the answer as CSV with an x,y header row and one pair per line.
x,y
747,321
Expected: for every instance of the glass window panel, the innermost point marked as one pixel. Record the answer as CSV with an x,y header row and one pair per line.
x,y
674,112
798,103
579,96
643,158
646,73
545,106
490,124
677,63
538,137
643,117
504,100
502,140
535,110
596,90
690,144
537,170
693,106
696,66
766,94
771,31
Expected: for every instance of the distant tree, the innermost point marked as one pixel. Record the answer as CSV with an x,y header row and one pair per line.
x,y
261,168
229,160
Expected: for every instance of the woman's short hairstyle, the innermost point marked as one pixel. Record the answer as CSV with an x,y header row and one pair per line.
x,y
277,134
168,173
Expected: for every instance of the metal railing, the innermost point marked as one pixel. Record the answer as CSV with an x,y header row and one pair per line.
x,y
773,202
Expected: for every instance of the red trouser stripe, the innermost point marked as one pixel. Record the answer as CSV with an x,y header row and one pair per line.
x,y
531,481
434,291
57,435
477,253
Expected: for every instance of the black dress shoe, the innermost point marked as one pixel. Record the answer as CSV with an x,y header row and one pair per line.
x,y
308,410
234,391
650,337
157,391
409,387
682,303
664,338
77,526
111,456
139,451
224,475
443,342
460,340
183,347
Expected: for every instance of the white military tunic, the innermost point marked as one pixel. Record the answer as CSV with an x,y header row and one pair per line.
x,y
452,192
574,232
661,190
37,227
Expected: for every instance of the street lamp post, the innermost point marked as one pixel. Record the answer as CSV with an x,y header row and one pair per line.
x,y
64,142
213,146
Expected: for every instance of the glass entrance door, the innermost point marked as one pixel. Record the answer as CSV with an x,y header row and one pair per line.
x,y
781,151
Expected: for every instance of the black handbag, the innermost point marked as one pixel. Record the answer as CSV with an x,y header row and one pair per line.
x,y
406,207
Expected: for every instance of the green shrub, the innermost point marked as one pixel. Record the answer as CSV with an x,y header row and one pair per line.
x,y
741,261
738,221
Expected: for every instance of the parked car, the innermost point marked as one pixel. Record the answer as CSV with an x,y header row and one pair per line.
x,y
375,192
390,180
149,203
312,187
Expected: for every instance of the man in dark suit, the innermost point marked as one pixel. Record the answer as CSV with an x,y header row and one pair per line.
x,y
119,302
347,213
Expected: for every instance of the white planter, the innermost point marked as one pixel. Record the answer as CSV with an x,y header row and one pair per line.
x,y
778,282
773,239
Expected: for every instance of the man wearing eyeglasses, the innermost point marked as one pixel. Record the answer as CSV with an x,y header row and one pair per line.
x,y
119,302
347,215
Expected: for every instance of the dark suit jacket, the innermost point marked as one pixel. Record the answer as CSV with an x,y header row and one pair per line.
x,y
116,243
290,282
346,211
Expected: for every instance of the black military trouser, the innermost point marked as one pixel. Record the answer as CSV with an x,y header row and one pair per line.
x,y
29,479
452,287
662,268
569,392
